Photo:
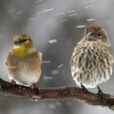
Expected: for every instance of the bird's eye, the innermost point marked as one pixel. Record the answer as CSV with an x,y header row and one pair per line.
x,y
99,34
24,40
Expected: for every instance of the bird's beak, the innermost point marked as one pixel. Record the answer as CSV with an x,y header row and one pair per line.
x,y
88,34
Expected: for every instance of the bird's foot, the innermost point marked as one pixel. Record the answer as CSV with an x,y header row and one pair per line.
x,y
84,88
100,93
99,90
13,82
36,87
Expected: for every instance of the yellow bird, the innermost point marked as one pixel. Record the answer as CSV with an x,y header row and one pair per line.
x,y
24,61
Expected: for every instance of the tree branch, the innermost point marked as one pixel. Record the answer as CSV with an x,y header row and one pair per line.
x,y
61,93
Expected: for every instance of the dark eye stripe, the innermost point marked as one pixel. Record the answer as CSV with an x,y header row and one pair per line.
x,y
24,40
19,41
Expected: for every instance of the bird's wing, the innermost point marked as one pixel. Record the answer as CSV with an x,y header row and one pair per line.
x,y
10,64
40,54
110,49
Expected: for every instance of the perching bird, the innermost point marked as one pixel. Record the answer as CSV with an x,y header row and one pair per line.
x,y
24,61
91,61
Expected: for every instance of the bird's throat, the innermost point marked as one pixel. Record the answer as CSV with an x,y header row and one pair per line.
x,y
22,51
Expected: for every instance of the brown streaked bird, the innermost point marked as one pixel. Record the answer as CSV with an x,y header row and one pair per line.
x,y
91,61
24,61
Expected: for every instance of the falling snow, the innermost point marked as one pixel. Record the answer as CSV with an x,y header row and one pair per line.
x,y
60,66
71,13
91,20
54,72
46,61
52,41
47,78
59,14
80,26
45,11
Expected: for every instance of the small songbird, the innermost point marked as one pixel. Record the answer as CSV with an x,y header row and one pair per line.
x,y
24,61
91,61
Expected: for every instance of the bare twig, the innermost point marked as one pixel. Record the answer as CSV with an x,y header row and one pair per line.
x,y
60,93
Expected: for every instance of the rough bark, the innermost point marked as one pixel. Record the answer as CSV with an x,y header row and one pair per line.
x,y
60,93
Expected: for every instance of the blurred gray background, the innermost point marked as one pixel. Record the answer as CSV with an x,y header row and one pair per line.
x,y
55,27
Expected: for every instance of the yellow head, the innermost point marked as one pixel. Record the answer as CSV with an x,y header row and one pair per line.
x,y
22,45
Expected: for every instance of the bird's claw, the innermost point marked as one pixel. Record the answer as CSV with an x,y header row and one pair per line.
x,y
36,87
84,88
13,82
99,90
100,93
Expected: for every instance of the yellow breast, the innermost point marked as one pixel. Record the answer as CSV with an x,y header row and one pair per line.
x,y
19,50
22,50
